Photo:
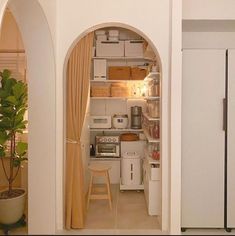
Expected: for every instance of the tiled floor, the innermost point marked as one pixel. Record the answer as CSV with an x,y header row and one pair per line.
x,y
129,212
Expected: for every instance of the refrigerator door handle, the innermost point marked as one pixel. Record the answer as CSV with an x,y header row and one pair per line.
x,y
224,114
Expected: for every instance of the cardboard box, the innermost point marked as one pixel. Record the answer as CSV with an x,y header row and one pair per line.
x,y
134,48
100,90
119,72
119,91
138,73
109,48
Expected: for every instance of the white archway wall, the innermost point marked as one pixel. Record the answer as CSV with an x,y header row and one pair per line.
x,y
41,73
154,21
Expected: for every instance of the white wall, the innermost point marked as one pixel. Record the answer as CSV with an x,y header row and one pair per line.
x,y
41,72
219,40
208,9
77,17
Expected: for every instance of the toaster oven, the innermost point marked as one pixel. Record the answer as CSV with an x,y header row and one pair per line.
x,y
100,122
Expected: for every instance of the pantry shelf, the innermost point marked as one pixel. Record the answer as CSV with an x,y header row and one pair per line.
x,y
125,58
121,98
114,81
150,118
152,98
150,139
117,130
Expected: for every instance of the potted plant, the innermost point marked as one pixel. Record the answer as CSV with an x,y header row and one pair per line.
x,y
13,105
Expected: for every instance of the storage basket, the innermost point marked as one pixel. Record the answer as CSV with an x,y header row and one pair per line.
x,y
138,73
119,90
119,72
100,90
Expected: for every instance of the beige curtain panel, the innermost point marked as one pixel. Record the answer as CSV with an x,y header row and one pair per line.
x,y
78,76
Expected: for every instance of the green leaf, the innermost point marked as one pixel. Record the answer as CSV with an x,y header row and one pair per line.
x,y
2,152
21,148
3,137
18,89
6,73
3,93
12,100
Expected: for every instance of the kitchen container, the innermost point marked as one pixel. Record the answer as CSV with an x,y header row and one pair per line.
x,y
129,137
153,108
100,90
134,48
138,73
119,90
113,33
131,173
113,38
119,72
120,121
109,48
101,37
136,112
100,71
154,88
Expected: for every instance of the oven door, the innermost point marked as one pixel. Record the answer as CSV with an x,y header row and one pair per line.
x,y
107,150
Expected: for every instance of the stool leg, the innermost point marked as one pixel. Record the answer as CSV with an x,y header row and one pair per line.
x,y
89,191
108,189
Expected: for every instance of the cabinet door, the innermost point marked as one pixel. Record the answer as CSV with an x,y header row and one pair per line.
x,y
230,141
203,138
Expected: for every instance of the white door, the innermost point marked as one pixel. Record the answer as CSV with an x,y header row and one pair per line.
x,y
231,141
203,138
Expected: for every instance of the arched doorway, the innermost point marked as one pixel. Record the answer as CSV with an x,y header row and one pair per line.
x,y
39,49
164,146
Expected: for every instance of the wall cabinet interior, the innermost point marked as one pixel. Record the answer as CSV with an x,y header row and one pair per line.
x,y
125,79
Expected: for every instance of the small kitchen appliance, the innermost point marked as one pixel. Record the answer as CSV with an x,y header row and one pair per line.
x,y
107,146
120,121
136,112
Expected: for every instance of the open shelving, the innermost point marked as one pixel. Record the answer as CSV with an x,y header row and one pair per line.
x,y
116,130
149,138
150,118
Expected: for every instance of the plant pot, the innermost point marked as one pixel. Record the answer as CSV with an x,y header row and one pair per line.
x,y
12,209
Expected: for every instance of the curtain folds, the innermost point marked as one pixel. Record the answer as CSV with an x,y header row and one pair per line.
x,y
78,76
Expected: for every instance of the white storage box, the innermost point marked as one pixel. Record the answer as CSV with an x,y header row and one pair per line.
x,y
100,69
131,171
109,48
114,33
155,172
113,38
101,37
134,48
100,32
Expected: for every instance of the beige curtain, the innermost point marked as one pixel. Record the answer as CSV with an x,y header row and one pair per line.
x,y
78,75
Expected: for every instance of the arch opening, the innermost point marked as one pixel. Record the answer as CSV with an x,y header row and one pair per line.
x,y
107,26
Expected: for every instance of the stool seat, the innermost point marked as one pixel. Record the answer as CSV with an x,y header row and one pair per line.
x,y
98,169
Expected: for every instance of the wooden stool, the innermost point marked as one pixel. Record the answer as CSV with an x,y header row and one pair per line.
x,y
99,170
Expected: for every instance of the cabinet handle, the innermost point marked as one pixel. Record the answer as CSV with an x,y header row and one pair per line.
x,y
224,114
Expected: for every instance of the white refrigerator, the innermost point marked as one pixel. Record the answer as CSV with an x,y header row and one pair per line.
x,y
208,139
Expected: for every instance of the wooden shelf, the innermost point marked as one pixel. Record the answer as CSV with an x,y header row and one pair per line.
x,y
150,139
116,130
152,98
115,98
150,118
115,81
152,161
